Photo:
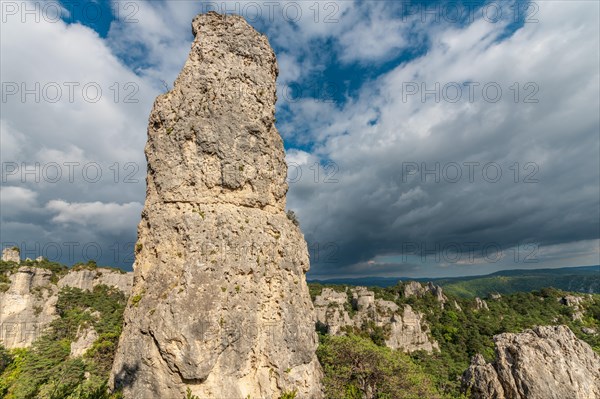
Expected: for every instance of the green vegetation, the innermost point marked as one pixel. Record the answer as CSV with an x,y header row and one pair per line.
x,y
354,366
289,395
46,370
316,288
6,268
90,265
292,216
584,281
189,395
460,333
135,300
5,358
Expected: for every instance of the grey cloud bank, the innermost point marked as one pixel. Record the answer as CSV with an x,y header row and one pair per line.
x,y
397,169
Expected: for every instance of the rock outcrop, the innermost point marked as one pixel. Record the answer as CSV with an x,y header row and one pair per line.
x,y
404,328
220,304
11,255
84,340
414,288
575,303
28,305
542,363
481,304
88,279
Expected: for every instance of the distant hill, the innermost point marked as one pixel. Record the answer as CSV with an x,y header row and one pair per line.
x,y
578,279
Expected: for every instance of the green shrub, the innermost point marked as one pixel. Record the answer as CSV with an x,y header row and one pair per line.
x,y
189,395
289,394
354,366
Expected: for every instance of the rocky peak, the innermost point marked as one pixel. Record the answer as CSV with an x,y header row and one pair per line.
x,y
362,298
330,296
11,255
576,303
406,329
212,139
220,304
414,288
480,304
541,363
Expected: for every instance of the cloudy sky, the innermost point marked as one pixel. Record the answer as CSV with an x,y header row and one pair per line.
x,y
423,139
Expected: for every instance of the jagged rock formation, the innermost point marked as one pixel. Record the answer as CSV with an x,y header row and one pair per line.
x,y
29,303
405,329
542,363
414,288
481,304
331,312
88,279
575,303
11,255
457,306
220,302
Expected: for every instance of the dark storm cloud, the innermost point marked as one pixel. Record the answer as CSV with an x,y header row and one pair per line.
x,y
365,210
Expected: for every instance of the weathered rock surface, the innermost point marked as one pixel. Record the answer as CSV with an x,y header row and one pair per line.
x,y
27,307
414,288
220,303
11,255
481,304
405,329
542,363
575,303
84,341
88,279
29,304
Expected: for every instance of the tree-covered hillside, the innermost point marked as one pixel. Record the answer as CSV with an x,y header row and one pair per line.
x,y
463,329
584,279
357,365
47,371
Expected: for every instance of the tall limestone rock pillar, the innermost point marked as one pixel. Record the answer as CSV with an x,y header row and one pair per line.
x,y
220,303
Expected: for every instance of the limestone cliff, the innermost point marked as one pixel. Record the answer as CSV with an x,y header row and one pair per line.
x,y
542,363
28,303
404,328
220,302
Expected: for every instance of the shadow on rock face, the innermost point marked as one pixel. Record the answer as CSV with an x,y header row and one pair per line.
x,y
125,377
